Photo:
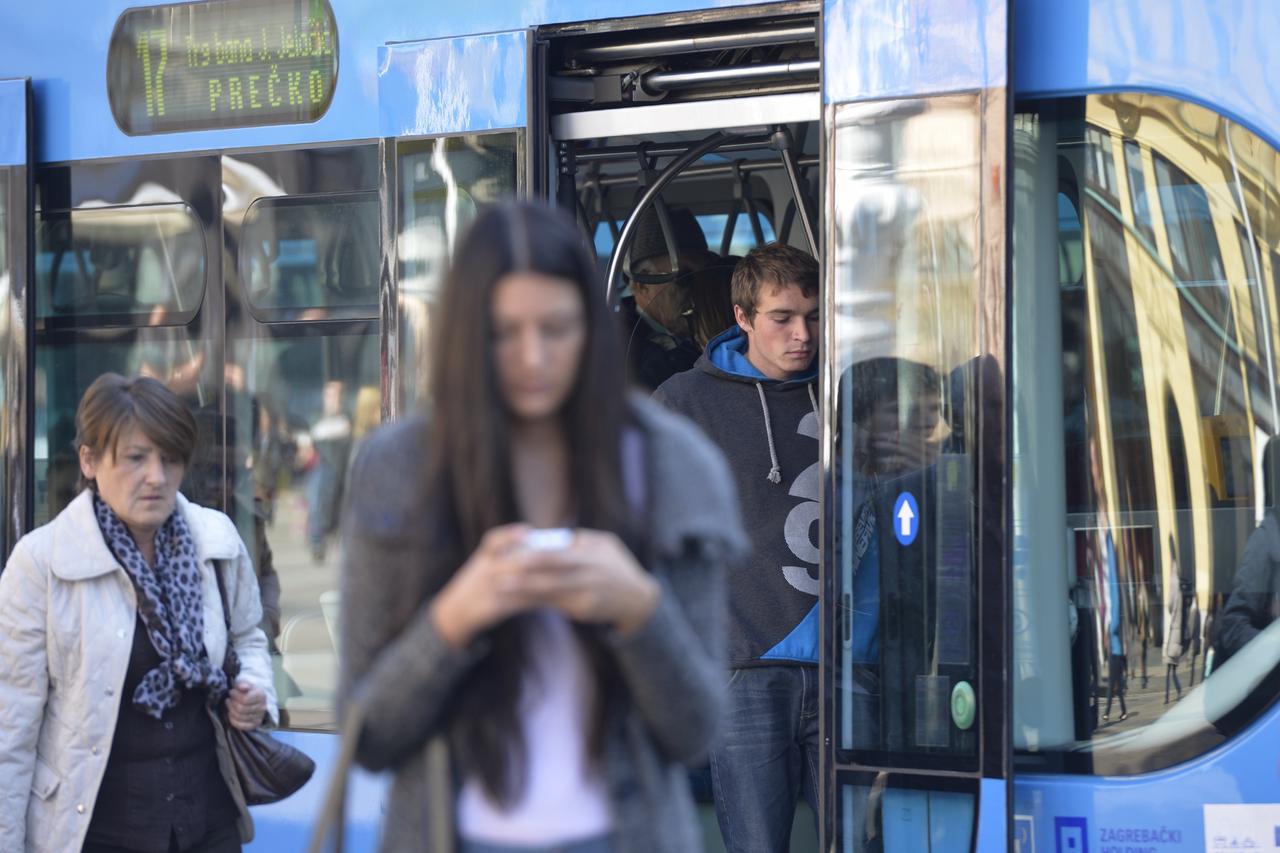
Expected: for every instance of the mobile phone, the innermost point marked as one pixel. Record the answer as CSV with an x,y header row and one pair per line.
x,y
548,539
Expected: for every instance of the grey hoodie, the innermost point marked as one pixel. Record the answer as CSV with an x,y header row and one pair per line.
x,y
769,431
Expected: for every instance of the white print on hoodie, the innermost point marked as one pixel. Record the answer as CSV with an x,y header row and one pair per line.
x,y
803,517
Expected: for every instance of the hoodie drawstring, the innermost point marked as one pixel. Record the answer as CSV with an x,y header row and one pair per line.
x,y
775,473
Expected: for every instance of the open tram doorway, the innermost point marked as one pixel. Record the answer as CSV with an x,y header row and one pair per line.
x,y
680,143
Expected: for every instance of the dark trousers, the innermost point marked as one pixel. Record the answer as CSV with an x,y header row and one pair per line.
x,y
1115,683
223,839
1171,671
766,756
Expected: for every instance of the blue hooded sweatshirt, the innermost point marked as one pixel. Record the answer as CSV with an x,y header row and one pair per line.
x,y
769,431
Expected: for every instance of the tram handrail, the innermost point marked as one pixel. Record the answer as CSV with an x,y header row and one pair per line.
x,y
668,174
698,44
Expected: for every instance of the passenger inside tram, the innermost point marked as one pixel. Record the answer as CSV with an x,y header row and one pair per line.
x,y
711,301
656,317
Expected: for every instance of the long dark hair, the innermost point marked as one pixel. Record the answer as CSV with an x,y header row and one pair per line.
x,y
469,459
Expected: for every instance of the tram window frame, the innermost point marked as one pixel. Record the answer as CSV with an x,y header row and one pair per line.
x,y
1234,700
313,310
419,275
47,317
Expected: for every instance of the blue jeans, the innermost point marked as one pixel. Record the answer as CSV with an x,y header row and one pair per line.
x,y
766,756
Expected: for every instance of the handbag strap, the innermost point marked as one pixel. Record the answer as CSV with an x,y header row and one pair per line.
x,y
231,672
333,809
440,805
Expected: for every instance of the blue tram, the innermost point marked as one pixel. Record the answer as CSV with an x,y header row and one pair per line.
x,y
1059,224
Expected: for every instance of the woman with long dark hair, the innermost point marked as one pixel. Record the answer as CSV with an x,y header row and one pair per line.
x,y
533,576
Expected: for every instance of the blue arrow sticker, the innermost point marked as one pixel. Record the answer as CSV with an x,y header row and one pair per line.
x,y
906,518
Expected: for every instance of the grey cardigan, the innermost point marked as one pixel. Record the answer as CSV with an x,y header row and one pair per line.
x,y
673,667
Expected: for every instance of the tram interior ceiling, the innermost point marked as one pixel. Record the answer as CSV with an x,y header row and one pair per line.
x,y
691,62
691,138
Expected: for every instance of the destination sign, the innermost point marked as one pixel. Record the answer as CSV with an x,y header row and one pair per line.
x,y
222,63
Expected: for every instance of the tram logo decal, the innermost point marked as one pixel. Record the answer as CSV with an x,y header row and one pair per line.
x,y
1071,834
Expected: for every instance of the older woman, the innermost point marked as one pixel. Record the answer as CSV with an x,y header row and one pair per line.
x,y
112,647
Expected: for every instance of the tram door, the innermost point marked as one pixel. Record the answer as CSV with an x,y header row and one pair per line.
x,y
15,224
915,633
454,116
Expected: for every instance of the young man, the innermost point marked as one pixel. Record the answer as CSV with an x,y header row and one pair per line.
x,y
754,393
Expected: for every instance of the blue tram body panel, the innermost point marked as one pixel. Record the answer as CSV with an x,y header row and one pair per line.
x,y
67,66
1178,809
286,826
468,84
13,129
895,49
1219,53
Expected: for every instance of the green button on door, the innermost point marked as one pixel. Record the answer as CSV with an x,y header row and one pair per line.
x,y
964,705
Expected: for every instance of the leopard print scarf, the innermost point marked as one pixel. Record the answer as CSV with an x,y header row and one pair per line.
x,y
171,602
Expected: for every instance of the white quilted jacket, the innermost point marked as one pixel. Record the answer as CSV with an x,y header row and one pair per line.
x,y
67,615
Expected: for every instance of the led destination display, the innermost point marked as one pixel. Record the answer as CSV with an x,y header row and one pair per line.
x,y
224,63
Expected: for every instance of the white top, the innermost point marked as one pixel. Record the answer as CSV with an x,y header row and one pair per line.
x,y
564,800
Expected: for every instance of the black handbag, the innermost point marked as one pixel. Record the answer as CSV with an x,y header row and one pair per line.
x,y
268,770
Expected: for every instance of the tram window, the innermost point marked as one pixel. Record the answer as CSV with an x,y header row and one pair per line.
x,y
1143,659
913,391
306,395
301,253
712,224
134,265
442,184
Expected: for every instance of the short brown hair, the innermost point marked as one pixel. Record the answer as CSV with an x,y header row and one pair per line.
x,y
776,265
113,404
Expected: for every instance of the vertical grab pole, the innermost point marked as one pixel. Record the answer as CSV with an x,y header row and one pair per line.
x,y
782,142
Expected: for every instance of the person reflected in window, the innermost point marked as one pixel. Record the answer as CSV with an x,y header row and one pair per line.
x,y
1177,637
1254,602
1193,631
1117,661
271,458
889,432
896,413
533,573
657,305
331,443
1108,591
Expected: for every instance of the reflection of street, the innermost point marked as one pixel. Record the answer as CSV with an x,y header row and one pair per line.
x,y
306,643
1145,703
